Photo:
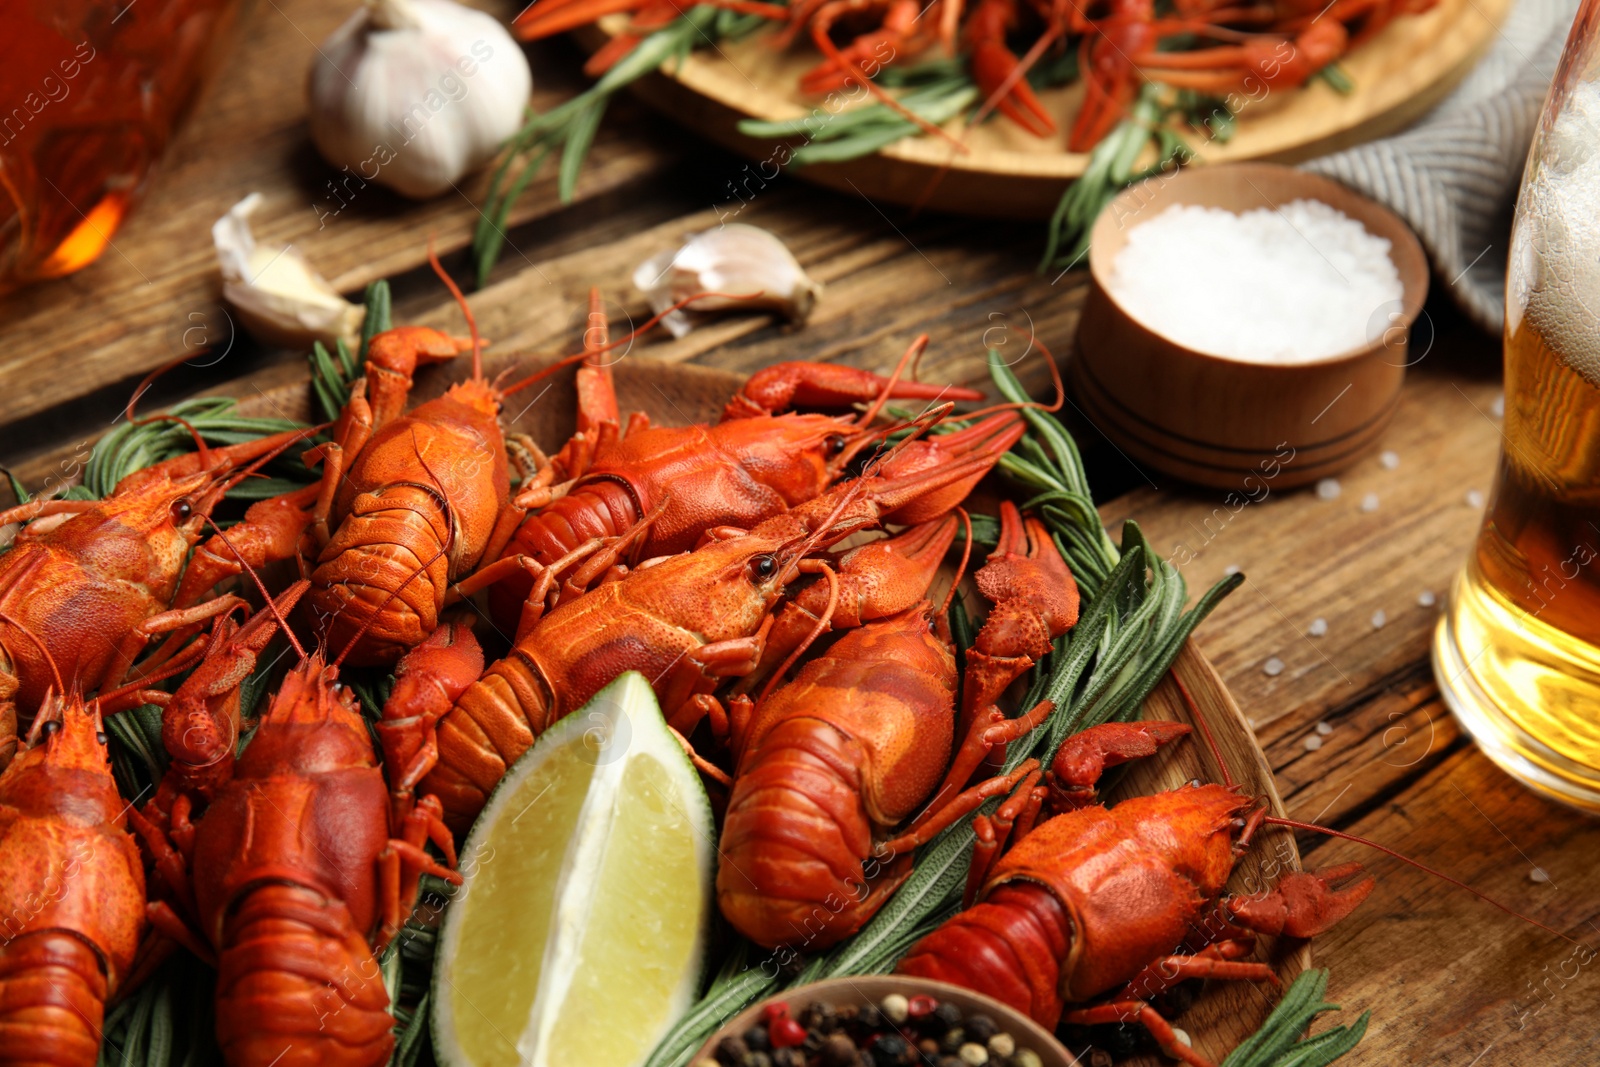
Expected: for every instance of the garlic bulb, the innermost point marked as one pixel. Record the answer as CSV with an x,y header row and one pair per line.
x,y
414,94
280,298
734,259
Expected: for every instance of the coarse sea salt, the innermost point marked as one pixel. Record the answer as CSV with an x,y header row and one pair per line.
x,y
1293,284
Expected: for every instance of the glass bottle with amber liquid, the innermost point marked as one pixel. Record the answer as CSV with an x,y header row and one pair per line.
x,y
89,94
1517,654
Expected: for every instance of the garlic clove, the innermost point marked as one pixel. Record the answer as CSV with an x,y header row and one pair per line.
x,y
280,297
414,95
734,259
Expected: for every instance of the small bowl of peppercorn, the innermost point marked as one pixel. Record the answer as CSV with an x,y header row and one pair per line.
x,y
882,1021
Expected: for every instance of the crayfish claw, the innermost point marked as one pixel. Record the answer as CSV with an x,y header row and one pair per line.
x,y
1305,903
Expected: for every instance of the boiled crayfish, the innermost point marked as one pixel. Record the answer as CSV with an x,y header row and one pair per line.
x,y
686,622
750,466
293,877
1112,906
1206,45
73,896
88,583
830,763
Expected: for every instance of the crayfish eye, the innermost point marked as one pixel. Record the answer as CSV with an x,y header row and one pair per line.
x,y
834,444
762,568
181,509
50,728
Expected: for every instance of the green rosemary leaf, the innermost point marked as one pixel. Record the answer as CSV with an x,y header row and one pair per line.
x,y
580,135
945,68
18,490
1337,78
1275,1044
702,1020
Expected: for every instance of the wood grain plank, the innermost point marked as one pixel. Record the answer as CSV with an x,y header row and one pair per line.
x,y
1305,557
1449,979
124,314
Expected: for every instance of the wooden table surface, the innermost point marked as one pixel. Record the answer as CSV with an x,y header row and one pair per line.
x,y
1449,979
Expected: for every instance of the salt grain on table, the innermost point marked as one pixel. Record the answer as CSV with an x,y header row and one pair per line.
x,y
1390,460
1318,627
1378,619
1328,489
1313,742
1273,667
1426,599
1498,408
1538,874
1231,569
1474,498
1299,283
1369,502
1324,729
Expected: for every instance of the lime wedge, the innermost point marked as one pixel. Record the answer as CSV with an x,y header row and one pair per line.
x,y
577,934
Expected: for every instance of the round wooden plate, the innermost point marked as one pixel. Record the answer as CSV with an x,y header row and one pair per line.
x,y
1010,173
677,394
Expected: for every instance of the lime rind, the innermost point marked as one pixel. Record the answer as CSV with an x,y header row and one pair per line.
x,y
622,743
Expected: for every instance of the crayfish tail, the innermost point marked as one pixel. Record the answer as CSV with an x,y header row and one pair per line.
x,y
797,841
493,723
1011,947
52,1001
297,985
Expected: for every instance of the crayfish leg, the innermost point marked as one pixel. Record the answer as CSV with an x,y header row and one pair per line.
x,y
1125,1011
1085,756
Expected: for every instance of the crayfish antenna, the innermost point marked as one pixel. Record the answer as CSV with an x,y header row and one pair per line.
x,y
44,649
1030,405
1205,730
272,605
961,568
466,311
648,324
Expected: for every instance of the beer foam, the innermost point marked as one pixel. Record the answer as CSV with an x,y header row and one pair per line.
x,y
1554,272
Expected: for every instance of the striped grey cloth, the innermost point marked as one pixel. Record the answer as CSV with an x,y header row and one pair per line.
x,y
1454,175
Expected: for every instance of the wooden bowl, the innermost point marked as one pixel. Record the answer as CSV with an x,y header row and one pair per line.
x,y
1224,422
873,988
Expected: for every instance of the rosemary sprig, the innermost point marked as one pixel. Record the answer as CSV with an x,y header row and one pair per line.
x,y
333,374
568,129
860,131
1277,1043
130,447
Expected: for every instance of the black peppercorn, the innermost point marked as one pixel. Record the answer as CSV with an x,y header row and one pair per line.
x,y
891,1050
788,1057
947,1015
756,1039
868,1019
953,1040
731,1051
981,1028
821,1018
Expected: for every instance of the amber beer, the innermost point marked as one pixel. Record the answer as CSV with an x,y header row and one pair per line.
x,y
1518,652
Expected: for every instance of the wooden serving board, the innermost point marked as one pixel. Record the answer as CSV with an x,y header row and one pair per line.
x,y
1009,173
676,394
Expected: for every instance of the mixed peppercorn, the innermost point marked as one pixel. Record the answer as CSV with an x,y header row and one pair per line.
x,y
898,1031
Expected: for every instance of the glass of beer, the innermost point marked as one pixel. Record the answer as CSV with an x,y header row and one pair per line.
x,y
1517,654
89,93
